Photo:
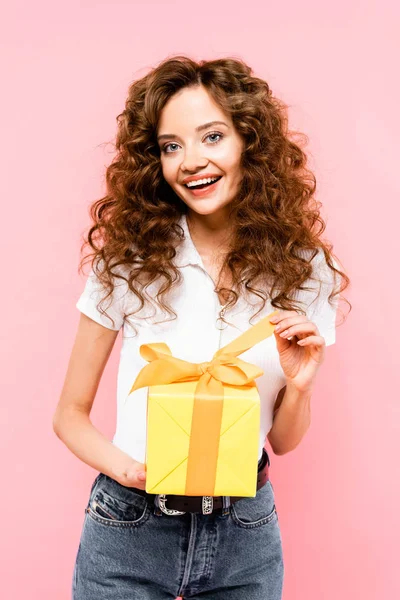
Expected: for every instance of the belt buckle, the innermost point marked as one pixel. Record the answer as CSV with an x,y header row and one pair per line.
x,y
168,511
207,505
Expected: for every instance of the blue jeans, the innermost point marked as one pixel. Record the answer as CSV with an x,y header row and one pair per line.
x,y
131,550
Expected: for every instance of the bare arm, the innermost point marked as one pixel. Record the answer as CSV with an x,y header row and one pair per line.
x,y
71,421
292,418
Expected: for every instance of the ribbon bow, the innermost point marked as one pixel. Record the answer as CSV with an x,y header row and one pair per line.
x,y
225,367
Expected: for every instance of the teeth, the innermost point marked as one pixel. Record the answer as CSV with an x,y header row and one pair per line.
x,y
201,181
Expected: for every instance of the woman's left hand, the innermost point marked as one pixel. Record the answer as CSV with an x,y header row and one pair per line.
x,y
300,362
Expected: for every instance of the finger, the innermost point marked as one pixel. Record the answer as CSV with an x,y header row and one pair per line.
x,y
312,340
136,477
135,483
292,323
281,315
132,483
300,328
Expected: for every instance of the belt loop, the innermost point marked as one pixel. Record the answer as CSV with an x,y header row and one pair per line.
x,y
226,501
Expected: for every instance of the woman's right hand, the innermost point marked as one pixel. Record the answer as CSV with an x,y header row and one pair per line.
x,y
130,473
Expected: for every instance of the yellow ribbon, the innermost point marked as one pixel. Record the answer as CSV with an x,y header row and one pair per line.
x,y
163,368
224,368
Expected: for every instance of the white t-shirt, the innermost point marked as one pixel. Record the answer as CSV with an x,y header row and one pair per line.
x,y
195,335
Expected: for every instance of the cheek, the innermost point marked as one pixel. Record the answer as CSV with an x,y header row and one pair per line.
x,y
235,170
230,163
167,172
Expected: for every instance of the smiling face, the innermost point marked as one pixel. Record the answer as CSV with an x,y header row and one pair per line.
x,y
194,146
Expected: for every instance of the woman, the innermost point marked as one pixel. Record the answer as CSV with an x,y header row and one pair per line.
x,y
208,225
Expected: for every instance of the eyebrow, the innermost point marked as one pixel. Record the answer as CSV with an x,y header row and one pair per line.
x,y
199,128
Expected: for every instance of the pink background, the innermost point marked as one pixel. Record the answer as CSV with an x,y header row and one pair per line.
x,y
66,69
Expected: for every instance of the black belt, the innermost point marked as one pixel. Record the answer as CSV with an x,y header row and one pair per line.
x,y
174,505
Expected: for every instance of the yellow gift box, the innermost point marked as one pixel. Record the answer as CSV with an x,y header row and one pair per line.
x,y
203,419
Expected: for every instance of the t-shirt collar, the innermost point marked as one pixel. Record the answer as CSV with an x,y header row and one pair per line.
x,y
186,252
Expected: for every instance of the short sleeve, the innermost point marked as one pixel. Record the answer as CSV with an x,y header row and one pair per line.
x,y
321,311
94,292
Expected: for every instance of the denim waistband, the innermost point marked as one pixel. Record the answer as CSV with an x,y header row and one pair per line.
x,y
225,499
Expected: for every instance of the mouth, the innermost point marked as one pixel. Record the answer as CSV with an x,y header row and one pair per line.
x,y
203,188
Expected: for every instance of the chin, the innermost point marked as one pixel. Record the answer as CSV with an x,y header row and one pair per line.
x,y
207,207
206,210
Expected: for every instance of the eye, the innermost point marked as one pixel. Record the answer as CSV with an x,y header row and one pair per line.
x,y
221,135
214,133
164,149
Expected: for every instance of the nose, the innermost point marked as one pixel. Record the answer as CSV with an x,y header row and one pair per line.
x,y
193,159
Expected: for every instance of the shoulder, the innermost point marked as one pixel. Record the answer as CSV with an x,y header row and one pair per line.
x,y
322,273
323,280
105,294
314,297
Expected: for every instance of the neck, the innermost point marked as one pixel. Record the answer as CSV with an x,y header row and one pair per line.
x,y
209,232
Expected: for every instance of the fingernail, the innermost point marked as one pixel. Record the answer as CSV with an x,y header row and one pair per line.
x,y
273,319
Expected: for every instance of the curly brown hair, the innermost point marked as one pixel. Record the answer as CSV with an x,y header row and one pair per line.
x,y
278,227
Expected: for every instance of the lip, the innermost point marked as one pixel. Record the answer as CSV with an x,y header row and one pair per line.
x,y
197,177
204,191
